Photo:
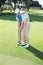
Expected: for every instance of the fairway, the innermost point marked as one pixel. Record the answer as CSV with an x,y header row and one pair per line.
x,y
10,53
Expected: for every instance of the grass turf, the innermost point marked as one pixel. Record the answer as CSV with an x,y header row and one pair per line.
x,y
10,53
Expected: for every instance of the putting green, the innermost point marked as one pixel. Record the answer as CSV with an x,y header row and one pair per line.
x,y
10,53
10,60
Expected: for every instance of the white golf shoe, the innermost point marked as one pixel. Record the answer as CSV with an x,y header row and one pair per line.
x,y
23,43
26,46
19,44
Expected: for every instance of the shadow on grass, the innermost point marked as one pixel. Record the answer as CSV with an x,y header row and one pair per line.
x,y
11,16
36,18
36,52
8,16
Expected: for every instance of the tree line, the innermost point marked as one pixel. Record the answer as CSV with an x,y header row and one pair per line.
x,y
28,3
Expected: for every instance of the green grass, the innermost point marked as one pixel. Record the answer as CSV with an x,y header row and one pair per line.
x,y
10,53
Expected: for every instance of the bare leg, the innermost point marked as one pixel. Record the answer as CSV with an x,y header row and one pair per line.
x,y
26,31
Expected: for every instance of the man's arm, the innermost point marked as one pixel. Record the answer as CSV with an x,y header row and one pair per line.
x,y
23,25
25,22
19,24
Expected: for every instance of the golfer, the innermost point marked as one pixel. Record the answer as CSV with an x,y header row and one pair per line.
x,y
26,27
19,20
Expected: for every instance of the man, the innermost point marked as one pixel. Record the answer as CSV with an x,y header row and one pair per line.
x,y
19,21
26,27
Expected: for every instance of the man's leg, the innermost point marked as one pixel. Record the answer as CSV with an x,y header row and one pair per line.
x,y
19,37
26,31
26,38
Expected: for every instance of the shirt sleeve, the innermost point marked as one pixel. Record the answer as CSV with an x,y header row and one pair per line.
x,y
17,18
26,15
